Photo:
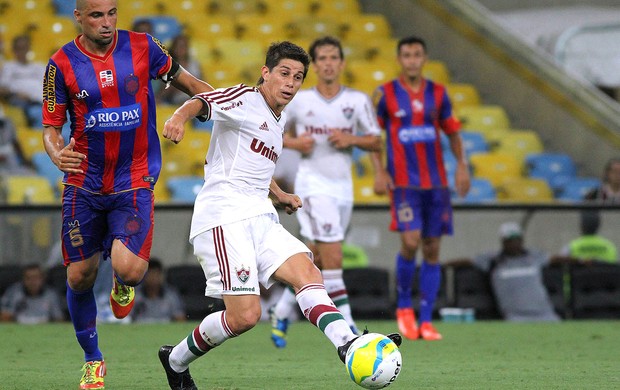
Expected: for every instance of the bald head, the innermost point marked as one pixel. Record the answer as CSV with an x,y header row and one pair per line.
x,y
81,5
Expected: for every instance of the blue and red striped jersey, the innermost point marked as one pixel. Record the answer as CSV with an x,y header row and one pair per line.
x,y
111,109
412,122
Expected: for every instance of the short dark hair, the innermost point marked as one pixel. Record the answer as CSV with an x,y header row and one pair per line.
x,y
590,222
325,41
410,40
610,163
155,264
279,51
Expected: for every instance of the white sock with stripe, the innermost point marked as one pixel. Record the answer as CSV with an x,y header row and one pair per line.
x,y
212,331
334,284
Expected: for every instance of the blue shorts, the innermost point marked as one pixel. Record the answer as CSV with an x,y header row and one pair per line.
x,y
426,210
90,223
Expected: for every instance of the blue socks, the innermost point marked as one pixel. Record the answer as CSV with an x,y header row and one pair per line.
x,y
430,279
83,310
405,271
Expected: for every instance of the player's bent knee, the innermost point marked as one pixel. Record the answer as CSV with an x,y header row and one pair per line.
x,y
243,321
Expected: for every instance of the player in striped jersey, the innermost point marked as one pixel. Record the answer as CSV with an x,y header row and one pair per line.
x,y
235,229
413,111
111,163
326,122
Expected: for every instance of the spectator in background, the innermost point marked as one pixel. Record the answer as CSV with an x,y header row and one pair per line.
x,y
20,79
157,301
590,246
142,26
609,191
516,277
31,301
11,158
179,49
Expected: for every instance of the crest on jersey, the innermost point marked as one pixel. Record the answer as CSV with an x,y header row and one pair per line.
x,y
417,105
133,224
132,84
243,274
348,112
106,77
327,227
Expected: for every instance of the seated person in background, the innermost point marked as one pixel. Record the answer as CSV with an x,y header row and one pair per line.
x,y
143,26
10,152
591,246
179,50
31,301
21,79
155,300
516,277
609,191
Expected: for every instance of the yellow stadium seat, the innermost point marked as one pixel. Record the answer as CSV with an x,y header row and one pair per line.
x,y
437,71
520,143
161,193
237,7
365,25
193,148
224,75
336,7
496,167
259,27
285,9
15,114
129,10
363,191
311,27
493,136
241,52
207,29
367,76
525,190
483,117
30,141
184,9
28,190
51,34
462,94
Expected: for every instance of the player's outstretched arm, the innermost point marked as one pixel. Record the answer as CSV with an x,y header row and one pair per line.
x,y
174,128
190,84
461,176
289,202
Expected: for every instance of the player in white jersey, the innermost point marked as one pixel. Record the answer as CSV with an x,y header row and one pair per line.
x,y
327,121
235,230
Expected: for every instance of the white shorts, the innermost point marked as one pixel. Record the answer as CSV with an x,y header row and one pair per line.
x,y
324,218
238,256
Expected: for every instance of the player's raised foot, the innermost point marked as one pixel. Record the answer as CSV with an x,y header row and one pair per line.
x,y
122,299
342,350
176,380
94,371
407,323
278,329
428,332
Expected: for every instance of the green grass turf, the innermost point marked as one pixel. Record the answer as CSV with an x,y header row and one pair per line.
x,y
482,355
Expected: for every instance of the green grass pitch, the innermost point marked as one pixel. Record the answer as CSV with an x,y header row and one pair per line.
x,y
481,355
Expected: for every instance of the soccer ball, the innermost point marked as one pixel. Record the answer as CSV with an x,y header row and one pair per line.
x,y
373,361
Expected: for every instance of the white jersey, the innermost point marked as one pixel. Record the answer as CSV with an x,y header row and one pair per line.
x,y
245,144
327,170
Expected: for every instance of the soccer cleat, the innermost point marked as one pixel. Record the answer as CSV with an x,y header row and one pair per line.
x,y
278,329
122,299
428,332
176,380
94,371
342,350
407,323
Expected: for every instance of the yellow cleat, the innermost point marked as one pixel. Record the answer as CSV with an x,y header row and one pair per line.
x,y
94,372
122,299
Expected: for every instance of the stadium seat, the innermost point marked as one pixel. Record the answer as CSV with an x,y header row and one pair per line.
x,y
363,191
474,142
165,28
311,27
595,291
259,28
437,71
577,188
15,114
553,279
480,191
222,76
161,193
237,7
240,52
363,26
369,292
483,117
210,29
183,189
191,284
24,189
46,168
50,34
367,76
556,168
520,143
30,141
64,7
283,9
336,7
135,9
525,190
495,167
472,289
462,94
34,113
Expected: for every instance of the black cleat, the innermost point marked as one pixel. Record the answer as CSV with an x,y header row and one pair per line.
x,y
342,350
176,380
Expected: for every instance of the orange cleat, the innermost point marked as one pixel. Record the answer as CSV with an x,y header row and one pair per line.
x,y
122,299
406,323
428,332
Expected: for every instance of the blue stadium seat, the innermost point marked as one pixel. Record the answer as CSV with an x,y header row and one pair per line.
x,y
449,162
184,188
481,190
578,187
556,168
64,7
474,142
46,168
